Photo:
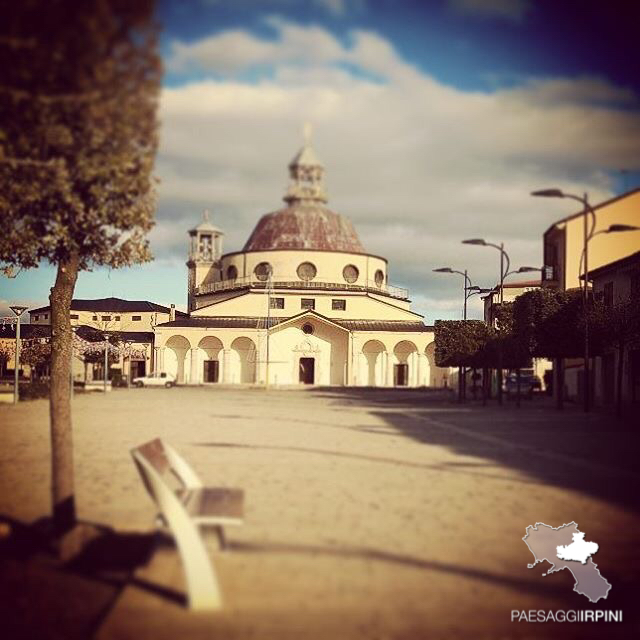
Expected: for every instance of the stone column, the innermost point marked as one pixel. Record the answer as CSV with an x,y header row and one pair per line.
x,y
156,359
161,359
389,370
226,364
193,373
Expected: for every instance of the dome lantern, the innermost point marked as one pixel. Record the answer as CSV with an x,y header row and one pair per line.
x,y
307,175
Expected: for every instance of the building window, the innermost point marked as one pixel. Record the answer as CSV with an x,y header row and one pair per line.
x,y
308,329
608,294
306,271
105,318
339,305
350,273
307,303
232,272
136,318
46,316
74,316
379,277
117,318
276,303
36,318
263,271
94,317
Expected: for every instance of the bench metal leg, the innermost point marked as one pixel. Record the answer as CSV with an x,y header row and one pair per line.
x,y
222,540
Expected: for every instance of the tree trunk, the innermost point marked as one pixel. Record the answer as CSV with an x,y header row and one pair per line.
x,y
619,379
64,511
459,384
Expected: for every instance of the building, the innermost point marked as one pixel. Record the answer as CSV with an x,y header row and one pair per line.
x,y
564,240
303,302
615,284
130,322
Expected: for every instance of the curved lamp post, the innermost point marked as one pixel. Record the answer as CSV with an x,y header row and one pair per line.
x,y
467,284
18,310
504,258
588,233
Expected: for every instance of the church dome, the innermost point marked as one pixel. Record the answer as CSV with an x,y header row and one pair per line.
x,y
305,223
304,226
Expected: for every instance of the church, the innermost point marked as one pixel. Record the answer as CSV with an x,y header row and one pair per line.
x,y
303,302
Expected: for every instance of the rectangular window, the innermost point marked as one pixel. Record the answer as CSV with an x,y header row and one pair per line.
x,y
136,318
339,305
117,318
307,303
74,316
46,316
276,303
36,318
105,318
608,294
94,317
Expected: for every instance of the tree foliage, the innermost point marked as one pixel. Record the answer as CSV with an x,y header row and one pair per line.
x,y
78,134
460,343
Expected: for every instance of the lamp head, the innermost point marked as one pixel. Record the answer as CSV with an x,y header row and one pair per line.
x,y
527,269
18,309
614,228
548,193
444,270
478,241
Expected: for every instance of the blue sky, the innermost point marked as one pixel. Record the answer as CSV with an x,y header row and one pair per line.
x,y
434,121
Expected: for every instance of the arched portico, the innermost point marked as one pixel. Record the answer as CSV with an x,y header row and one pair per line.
x,y
242,361
175,355
375,355
405,369
209,360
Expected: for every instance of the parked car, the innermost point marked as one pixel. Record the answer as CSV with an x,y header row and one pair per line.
x,y
528,384
155,380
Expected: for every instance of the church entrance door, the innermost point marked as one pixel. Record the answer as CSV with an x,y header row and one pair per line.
x,y
307,370
211,371
401,375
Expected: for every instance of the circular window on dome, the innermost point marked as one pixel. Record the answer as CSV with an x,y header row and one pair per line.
x,y
307,271
350,273
308,329
262,271
232,272
379,277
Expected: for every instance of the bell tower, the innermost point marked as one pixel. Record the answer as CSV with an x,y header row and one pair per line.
x,y
205,251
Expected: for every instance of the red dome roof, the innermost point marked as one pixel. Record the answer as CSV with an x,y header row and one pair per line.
x,y
304,226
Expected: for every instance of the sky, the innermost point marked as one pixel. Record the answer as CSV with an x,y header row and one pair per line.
x,y
434,119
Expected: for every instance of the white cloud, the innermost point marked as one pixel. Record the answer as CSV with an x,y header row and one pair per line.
x,y
417,165
513,10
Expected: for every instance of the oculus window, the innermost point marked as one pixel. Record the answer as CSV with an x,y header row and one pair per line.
x,y
379,277
308,329
306,271
350,273
263,271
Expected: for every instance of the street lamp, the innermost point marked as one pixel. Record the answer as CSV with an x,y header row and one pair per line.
x,y
504,257
587,235
18,310
467,284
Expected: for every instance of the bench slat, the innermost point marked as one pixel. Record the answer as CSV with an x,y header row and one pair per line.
x,y
214,505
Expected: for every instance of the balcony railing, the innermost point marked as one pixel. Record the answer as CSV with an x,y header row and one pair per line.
x,y
279,282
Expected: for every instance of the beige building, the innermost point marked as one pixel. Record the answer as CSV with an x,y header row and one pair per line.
x,y
564,240
132,322
613,284
303,302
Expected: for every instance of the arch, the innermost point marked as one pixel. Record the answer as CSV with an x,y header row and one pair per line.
x,y
208,365
405,366
374,352
174,359
438,376
243,361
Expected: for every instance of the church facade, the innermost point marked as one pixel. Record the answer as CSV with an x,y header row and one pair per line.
x,y
302,303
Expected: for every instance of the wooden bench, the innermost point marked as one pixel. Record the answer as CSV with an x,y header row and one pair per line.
x,y
185,507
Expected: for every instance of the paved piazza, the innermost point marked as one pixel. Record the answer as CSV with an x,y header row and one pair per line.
x,y
369,514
